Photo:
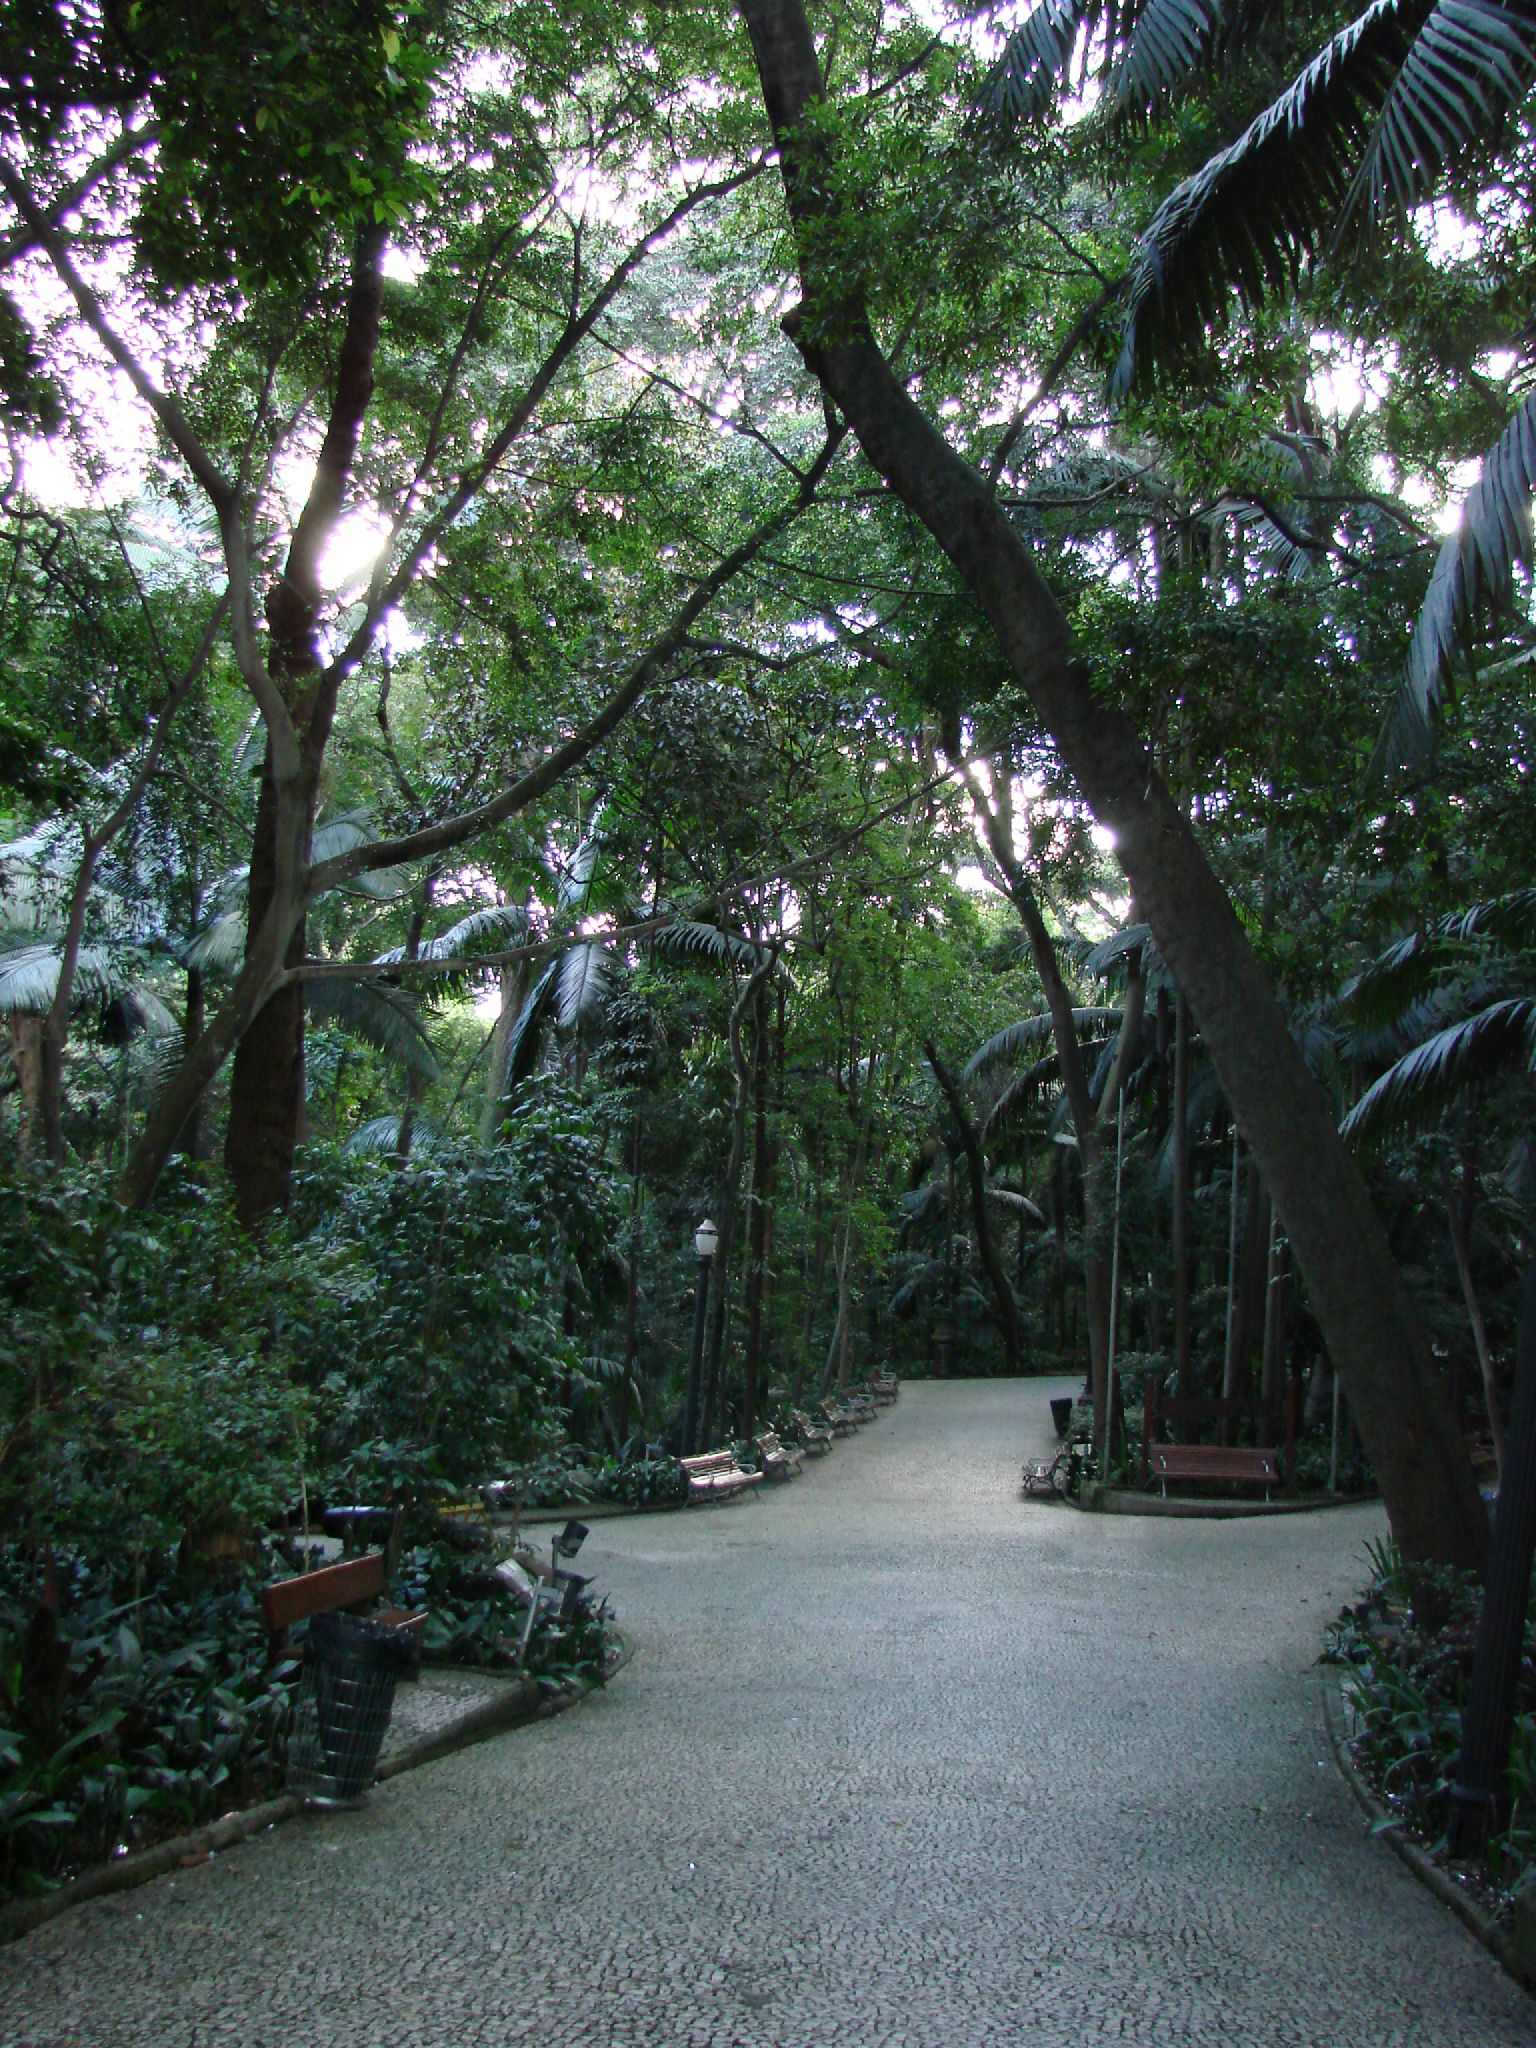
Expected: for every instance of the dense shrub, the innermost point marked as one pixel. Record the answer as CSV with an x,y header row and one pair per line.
x,y
123,1718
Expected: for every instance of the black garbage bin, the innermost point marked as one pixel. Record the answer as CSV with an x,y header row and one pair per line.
x,y
346,1696
1061,1413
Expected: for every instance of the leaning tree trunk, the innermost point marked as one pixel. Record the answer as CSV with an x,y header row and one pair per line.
x,y
986,1241
266,1083
1373,1331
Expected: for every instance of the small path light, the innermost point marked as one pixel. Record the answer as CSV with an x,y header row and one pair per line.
x,y
705,1241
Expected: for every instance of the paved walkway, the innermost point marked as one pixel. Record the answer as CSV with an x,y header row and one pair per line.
x,y
899,1760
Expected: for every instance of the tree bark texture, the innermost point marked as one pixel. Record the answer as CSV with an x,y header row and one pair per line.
x,y
1361,1303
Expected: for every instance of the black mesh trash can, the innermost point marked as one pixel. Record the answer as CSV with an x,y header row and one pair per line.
x,y
346,1694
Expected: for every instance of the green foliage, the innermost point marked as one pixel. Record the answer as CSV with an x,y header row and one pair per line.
x,y
1406,1680
145,1390
140,1711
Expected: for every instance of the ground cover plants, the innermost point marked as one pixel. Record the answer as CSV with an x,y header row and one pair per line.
x,y
1404,1686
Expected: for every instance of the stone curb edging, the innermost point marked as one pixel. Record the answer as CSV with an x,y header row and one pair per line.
x,y
1120,1500
1483,1924
522,1702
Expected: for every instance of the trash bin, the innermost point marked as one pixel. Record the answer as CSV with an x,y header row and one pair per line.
x,y
1061,1413
346,1695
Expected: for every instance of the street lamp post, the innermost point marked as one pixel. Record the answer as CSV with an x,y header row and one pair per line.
x,y
705,1239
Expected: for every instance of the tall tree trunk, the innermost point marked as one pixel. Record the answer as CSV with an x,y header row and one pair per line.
x,y
1460,1204
723,1274
1361,1302
1183,1388
760,1211
266,1086
986,1239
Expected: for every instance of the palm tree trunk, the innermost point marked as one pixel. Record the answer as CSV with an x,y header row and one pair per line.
x,y
1460,1203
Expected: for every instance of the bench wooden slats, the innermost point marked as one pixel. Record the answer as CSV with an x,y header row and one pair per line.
x,y
1236,1462
779,1461
334,1587
347,1584
715,1475
815,1437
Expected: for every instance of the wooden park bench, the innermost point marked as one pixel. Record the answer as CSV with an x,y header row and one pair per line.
x,y
779,1461
1238,1463
841,1420
883,1386
815,1437
353,1585
715,1475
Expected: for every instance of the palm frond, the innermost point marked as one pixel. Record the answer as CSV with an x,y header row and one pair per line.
x,y
1030,1033
1499,1040
1113,951
1021,1205
1168,42
134,1011
29,977
1251,217
219,948
1469,63
690,938
1020,1102
488,930
1025,81
585,974
385,1018
1381,991
1510,920
381,1134
526,1038
344,833
1473,573
923,1281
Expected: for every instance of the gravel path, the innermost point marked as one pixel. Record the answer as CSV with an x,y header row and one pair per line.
x,y
899,1760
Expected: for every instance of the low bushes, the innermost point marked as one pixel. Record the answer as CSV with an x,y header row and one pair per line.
x,y
1406,1685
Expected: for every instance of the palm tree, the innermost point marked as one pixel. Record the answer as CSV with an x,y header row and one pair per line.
x,y
1391,106
1462,1023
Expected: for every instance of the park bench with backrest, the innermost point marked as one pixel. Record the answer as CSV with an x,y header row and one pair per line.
x,y
779,1461
1236,1463
351,1586
841,1419
715,1475
815,1437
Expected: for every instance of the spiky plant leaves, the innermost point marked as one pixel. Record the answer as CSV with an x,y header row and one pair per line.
x,y
584,977
1159,42
1473,573
1116,949
219,948
134,1011
689,938
1030,1033
1250,217
344,833
1470,62
385,1018
381,1135
1020,1205
1167,42
1025,81
526,1039
29,976
1509,920
1497,1041
1367,128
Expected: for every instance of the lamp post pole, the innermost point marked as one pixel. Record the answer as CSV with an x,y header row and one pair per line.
x,y
705,1239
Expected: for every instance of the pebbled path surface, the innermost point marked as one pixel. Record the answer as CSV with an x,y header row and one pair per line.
x,y
901,1762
